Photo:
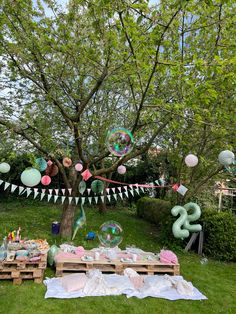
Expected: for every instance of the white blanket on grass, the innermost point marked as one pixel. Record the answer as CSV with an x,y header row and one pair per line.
x,y
167,287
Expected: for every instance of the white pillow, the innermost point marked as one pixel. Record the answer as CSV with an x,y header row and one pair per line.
x,y
73,282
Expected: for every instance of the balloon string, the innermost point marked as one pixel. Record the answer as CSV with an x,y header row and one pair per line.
x,y
136,185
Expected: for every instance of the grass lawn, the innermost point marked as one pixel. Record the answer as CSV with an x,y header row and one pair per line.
x,y
216,280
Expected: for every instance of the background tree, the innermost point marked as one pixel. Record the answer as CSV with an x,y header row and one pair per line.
x,y
69,76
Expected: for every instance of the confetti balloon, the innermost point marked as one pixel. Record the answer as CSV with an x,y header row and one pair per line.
x,y
110,234
119,141
4,167
78,167
121,169
30,177
191,160
226,158
46,180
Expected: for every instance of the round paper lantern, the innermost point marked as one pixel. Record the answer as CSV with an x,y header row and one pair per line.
x,y
226,158
121,169
97,186
30,177
191,160
67,162
52,170
41,163
78,167
4,167
46,180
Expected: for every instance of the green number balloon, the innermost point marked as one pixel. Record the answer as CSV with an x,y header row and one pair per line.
x,y
176,228
193,217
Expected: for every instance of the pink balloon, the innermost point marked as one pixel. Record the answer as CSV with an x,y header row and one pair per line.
x,y
78,167
46,180
191,160
121,169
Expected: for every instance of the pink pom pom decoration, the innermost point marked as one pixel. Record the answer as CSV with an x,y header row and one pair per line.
x,y
78,167
168,257
46,180
121,169
49,163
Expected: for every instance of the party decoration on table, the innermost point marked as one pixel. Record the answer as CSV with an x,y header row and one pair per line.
x,y
226,158
168,257
41,164
86,174
46,180
80,222
78,167
119,141
67,162
121,169
97,186
53,251
4,167
52,170
82,187
110,234
191,160
30,177
90,235
182,226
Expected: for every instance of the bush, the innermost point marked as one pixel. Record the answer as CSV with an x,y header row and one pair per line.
x,y
220,235
153,210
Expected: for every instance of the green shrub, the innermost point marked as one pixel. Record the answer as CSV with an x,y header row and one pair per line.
x,y
219,234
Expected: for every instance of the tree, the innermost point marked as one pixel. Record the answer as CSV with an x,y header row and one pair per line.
x,y
71,75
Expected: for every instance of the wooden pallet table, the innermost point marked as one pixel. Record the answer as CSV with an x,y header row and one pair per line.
x,y
67,266
18,271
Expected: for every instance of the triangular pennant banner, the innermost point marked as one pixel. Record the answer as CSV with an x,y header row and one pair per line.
x,y
43,190
109,198
137,191
127,194
125,187
102,198
42,196
55,198
50,191
119,188
142,189
70,190
121,195
70,199
21,189
89,190
108,190
157,182
90,199
63,199
96,199
28,191
56,191
49,197
132,192
76,200
1,182
13,187
115,196
35,193
114,190
6,185
63,191
82,200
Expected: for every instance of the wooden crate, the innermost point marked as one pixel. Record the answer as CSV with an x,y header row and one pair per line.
x,y
18,271
68,266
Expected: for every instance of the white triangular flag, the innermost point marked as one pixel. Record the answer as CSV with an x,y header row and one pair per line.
x,y
89,190
55,198
28,191
76,200
157,182
125,187
50,191
115,196
121,195
1,182
114,190
82,200
70,190
137,191
6,185
119,188
108,190
131,187
21,189
42,196
13,187
127,194
109,198
70,199
63,199
142,189
182,189
63,191
43,190
56,191
132,192
102,198
35,194
90,199
49,197
96,199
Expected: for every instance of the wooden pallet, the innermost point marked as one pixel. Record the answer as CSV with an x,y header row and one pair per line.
x,y
19,271
68,266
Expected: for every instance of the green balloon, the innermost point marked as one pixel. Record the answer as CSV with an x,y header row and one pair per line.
x,y
30,177
194,216
176,228
97,186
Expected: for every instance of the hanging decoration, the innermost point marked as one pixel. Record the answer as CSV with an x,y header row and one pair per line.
x,y
46,180
97,186
78,167
30,177
67,162
52,170
191,160
119,141
226,158
110,234
181,227
82,187
49,162
80,221
4,167
86,174
41,164
121,169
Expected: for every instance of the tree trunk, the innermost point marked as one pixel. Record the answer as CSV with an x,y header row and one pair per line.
x,y
67,220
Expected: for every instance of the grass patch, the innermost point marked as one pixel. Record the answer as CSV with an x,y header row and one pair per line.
x,y
215,279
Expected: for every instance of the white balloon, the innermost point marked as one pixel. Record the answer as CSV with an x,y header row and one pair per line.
x,y
191,160
4,167
226,158
121,169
